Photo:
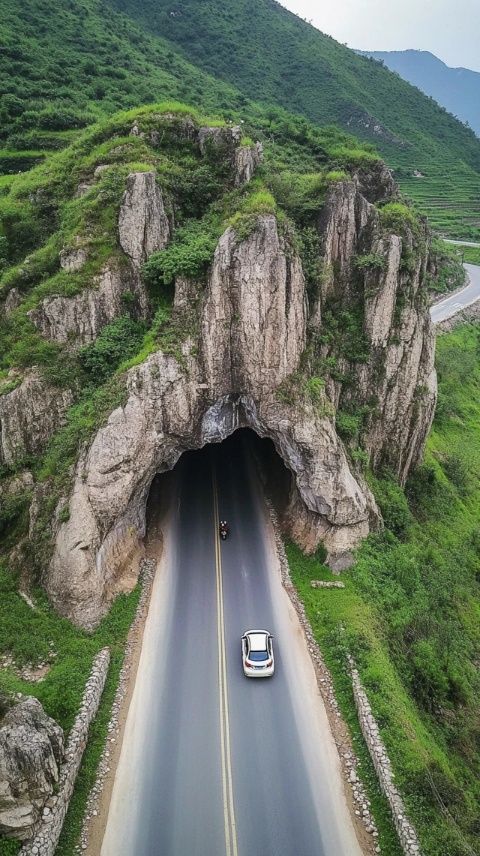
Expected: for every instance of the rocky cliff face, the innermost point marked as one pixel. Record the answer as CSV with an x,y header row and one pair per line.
x,y
253,333
29,415
31,751
79,320
397,380
143,225
334,370
254,314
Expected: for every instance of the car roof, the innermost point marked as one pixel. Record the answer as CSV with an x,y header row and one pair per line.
x,y
257,639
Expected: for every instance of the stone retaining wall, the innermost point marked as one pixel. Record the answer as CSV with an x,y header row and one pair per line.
x,y
376,747
147,575
45,841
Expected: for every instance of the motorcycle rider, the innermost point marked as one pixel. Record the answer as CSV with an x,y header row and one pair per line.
x,y
224,527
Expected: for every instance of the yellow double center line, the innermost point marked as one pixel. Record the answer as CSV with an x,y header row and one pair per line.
x,y
228,805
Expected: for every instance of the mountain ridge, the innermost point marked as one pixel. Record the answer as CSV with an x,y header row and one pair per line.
x,y
456,88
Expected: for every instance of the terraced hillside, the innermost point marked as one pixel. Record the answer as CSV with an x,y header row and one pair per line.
x,y
62,67
447,191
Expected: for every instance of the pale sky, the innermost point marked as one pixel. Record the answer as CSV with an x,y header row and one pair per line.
x,y
448,28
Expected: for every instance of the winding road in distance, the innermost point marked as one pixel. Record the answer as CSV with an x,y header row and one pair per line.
x,y
459,300
213,763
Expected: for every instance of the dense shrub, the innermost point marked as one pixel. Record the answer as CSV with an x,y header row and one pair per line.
x,y
396,217
370,262
254,205
117,342
456,469
188,255
300,194
348,424
393,504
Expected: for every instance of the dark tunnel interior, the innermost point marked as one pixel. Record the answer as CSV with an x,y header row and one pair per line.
x,y
244,445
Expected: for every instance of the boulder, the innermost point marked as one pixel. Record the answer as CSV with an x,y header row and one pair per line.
x,y
72,259
12,301
219,137
31,752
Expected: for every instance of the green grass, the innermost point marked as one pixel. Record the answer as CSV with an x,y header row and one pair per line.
x,y
410,615
471,255
324,81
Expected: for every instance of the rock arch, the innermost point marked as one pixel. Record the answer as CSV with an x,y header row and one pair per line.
x,y
253,320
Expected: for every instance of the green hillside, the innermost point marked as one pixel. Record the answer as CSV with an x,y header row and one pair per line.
x,y
270,54
63,69
64,66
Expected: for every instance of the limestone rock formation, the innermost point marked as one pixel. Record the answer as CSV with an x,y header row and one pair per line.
x,y
78,320
143,224
29,415
221,137
12,300
31,751
253,334
255,346
72,259
247,159
143,228
254,316
398,380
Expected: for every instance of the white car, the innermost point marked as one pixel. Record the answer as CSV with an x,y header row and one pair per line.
x,y
257,654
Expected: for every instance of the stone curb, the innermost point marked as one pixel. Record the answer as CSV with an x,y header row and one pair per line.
x,y
348,759
147,574
378,753
44,842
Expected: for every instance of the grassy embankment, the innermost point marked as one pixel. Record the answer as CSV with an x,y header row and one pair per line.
x,y
410,615
471,255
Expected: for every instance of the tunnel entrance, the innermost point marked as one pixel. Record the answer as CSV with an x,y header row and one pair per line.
x,y
243,449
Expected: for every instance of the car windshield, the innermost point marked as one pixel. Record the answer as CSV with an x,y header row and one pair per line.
x,y
258,656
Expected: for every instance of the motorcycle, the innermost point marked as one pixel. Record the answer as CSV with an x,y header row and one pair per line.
x,y
223,529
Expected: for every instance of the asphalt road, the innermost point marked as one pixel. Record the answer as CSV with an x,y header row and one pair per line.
x,y
213,763
460,299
